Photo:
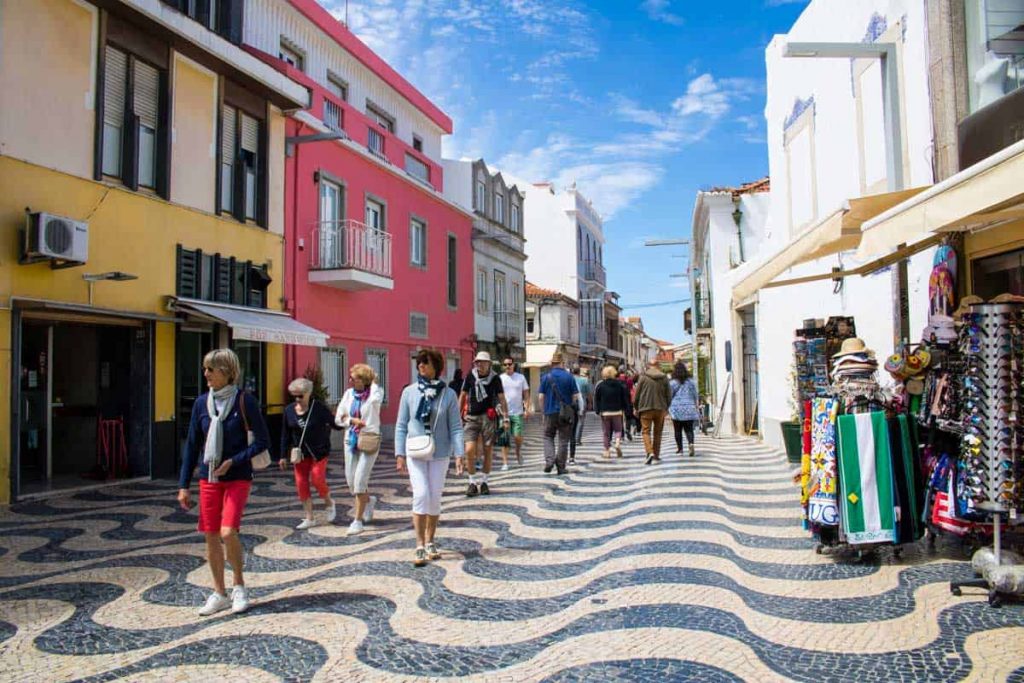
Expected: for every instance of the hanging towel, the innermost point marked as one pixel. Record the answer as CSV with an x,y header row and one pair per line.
x,y
822,507
866,475
805,457
908,527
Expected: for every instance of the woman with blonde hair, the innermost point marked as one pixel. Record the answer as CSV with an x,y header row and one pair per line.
x,y
218,440
359,414
611,402
306,443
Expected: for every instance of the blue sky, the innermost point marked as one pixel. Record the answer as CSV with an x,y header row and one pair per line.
x,y
641,102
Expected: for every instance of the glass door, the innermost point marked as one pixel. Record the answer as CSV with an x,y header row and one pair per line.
x,y
193,344
34,463
332,233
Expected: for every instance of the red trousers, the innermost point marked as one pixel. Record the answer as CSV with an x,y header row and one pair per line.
x,y
315,470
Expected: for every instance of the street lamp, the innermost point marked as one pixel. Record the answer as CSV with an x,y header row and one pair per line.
x,y
111,276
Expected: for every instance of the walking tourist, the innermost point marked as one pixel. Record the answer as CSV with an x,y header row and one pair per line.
x,y
611,400
428,433
685,406
651,404
359,413
305,444
456,383
558,395
517,396
219,442
484,396
627,382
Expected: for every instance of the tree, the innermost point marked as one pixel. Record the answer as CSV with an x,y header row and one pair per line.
x,y
316,376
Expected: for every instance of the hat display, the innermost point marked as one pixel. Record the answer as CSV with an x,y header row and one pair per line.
x,y
855,361
851,346
482,356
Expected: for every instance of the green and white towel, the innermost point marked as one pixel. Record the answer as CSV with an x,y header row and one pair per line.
x,y
866,478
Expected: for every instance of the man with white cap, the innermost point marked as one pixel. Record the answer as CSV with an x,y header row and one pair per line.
x,y
484,394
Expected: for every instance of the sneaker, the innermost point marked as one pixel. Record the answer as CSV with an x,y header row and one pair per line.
x,y
332,512
572,459
421,557
432,552
239,599
504,468
306,524
679,451
368,510
618,448
472,490
548,468
356,527
215,603
649,459
485,489
692,453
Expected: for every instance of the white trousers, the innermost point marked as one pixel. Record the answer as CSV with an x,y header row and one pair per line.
x,y
427,479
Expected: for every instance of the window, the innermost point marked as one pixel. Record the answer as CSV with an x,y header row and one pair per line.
x,y
334,366
579,243
416,168
375,142
418,242
375,214
572,327
241,186
212,277
291,54
333,117
995,56
418,325
994,275
481,197
377,359
481,291
417,143
452,278
380,117
516,297
330,234
337,86
499,292
223,17
800,167
499,207
132,138
531,325
514,222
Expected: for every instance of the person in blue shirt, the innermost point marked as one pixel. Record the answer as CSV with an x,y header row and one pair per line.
x,y
557,389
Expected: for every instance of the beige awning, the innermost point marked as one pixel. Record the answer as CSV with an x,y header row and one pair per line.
x,y
841,231
981,196
252,323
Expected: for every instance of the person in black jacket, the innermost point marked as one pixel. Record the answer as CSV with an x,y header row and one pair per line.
x,y
305,413
457,381
611,402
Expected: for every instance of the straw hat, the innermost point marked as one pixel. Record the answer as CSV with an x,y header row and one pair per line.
x,y
852,346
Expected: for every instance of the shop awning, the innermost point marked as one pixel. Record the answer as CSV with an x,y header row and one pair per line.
x,y
253,324
981,196
840,231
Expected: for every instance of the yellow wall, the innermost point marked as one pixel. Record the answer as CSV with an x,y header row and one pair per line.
x,y
194,135
164,377
49,42
275,184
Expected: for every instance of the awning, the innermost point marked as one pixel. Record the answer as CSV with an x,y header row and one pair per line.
x,y
840,231
253,324
980,196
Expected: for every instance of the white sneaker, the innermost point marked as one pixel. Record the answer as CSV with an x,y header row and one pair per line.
x,y
306,524
239,599
368,510
356,527
504,468
332,512
215,603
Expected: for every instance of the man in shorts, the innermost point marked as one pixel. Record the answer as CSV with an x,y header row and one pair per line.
x,y
517,396
484,396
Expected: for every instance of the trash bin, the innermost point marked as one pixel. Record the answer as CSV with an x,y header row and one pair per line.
x,y
794,443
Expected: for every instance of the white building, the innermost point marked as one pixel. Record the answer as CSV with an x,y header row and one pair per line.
x,y
498,253
565,245
552,324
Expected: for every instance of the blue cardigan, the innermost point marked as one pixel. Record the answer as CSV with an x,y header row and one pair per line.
x,y
448,439
236,440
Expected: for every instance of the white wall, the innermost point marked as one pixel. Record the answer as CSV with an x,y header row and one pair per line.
x,y
458,182
550,240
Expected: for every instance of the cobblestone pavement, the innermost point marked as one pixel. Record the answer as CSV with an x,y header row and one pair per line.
x,y
691,569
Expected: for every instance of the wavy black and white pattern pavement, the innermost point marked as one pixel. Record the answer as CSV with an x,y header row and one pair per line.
x,y
691,569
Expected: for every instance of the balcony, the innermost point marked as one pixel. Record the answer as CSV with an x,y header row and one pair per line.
x,y
507,326
350,255
417,169
593,336
703,306
592,271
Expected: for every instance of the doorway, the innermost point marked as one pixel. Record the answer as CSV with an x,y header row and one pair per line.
x,y
192,345
748,338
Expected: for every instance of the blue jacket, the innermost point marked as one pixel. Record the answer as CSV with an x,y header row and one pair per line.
x,y
448,439
236,440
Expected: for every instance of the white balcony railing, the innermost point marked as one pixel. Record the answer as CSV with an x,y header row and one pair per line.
x,y
346,244
417,169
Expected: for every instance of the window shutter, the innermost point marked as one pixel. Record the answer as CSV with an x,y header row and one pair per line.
x,y
147,94
250,134
222,267
115,79
228,135
188,266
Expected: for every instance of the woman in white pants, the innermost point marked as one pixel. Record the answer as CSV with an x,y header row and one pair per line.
x,y
428,407
359,413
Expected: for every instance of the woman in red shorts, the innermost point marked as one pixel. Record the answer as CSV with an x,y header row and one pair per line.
x,y
218,442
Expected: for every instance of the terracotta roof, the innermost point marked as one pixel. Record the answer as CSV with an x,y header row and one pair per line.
x,y
762,185
534,290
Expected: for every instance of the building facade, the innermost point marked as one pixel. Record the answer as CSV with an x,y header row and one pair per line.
x,y
143,174
499,255
378,257
552,324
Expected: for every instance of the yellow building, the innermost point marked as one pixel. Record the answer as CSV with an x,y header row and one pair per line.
x,y
142,204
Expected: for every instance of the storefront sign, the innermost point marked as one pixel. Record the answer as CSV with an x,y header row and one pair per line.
x,y
278,336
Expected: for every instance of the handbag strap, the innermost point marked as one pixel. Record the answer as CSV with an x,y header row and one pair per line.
x,y
241,409
309,418
437,414
554,383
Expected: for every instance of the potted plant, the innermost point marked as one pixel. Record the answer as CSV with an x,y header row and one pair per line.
x,y
791,429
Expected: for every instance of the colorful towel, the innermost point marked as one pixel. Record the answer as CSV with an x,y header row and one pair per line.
x,y
822,507
805,457
905,478
865,465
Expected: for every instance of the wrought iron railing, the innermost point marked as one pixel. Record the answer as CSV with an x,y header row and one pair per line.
x,y
350,244
593,271
507,325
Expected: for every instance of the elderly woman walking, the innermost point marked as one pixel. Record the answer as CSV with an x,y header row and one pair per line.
x,y
218,440
611,401
684,409
306,443
359,413
428,433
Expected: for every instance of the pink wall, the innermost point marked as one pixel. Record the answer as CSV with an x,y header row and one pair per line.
x,y
376,318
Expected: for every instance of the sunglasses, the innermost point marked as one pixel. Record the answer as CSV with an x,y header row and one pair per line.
x,y
297,397
508,365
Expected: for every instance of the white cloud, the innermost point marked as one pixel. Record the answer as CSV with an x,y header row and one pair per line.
x,y
705,95
658,10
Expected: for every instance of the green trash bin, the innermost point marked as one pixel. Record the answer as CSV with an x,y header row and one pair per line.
x,y
794,443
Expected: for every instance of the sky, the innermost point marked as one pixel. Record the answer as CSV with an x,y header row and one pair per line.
x,y
641,103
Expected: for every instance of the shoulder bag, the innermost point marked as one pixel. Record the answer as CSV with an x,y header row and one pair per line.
x,y
260,461
296,453
567,412
367,442
421,446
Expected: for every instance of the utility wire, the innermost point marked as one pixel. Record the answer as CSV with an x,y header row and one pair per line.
x,y
660,303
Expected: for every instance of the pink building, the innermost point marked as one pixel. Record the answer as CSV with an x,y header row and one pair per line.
x,y
375,256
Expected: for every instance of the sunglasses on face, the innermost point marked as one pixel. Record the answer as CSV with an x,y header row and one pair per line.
x,y
297,397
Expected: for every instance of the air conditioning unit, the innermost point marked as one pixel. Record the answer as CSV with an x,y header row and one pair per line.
x,y
56,238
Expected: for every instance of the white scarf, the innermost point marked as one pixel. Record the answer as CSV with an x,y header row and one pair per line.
x,y
480,386
215,435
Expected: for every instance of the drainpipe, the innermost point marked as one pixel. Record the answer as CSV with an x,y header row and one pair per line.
x,y
737,216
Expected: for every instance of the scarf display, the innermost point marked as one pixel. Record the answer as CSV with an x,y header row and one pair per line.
x,y
358,398
805,457
822,506
213,450
865,458
480,385
430,389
